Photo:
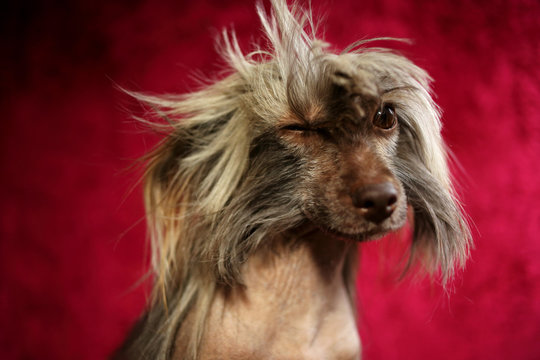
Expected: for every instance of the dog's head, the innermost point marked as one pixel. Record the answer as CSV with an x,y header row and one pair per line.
x,y
346,135
345,141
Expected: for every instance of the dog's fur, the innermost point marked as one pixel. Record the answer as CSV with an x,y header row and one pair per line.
x,y
252,198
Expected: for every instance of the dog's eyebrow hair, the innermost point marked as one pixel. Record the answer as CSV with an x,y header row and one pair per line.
x,y
397,88
321,123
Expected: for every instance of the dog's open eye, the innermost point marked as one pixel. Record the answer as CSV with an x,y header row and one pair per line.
x,y
385,118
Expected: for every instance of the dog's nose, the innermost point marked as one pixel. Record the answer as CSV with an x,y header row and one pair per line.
x,y
376,201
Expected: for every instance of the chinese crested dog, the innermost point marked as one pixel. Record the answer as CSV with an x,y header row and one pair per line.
x,y
266,182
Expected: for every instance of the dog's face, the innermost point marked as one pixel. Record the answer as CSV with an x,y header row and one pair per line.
x,y
346,140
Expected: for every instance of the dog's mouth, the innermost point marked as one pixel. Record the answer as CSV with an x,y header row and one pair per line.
x,y
363,236
374,231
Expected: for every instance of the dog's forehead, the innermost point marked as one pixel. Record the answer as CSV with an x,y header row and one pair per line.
x,y
351,75
338,89
330,88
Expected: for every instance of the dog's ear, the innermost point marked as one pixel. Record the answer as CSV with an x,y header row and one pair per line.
x,y
441,238
192,173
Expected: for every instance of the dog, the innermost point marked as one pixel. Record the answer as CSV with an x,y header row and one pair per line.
x,y
266,182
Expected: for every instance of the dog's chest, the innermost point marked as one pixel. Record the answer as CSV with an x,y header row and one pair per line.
x,y
286,311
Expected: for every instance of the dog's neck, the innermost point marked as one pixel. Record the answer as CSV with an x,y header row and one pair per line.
x,y
293,304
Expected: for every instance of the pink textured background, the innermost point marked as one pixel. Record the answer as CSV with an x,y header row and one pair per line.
x,y
71,239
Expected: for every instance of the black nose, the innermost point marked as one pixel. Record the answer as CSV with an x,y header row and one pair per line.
x,y
376,201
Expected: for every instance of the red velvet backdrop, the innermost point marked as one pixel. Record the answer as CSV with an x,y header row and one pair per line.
x,y
72,239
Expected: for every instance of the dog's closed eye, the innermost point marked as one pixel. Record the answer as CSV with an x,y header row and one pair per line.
x,y
307,130
296,127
